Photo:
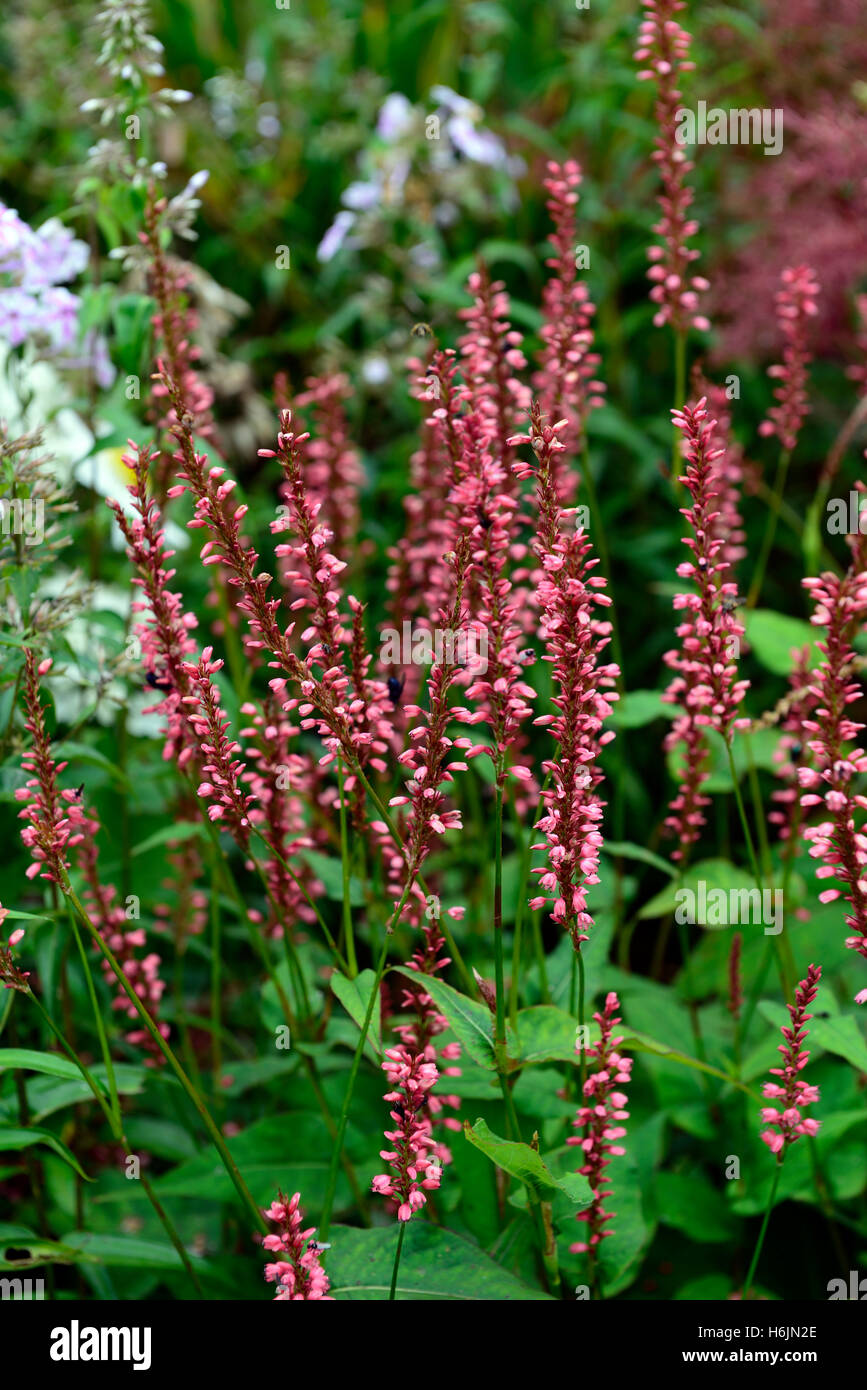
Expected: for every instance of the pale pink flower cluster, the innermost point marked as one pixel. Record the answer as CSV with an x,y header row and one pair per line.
x,y
55,817
414,1171
223,770
11,975
796,304
300,1276
599,1120
491,357
841,848
787,1124
566,381
568,596
705,685
664,45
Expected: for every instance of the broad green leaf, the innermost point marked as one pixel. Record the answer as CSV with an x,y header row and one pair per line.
x,y
177,831
773,636
691,1204
715,874
50,1063
470,1021
435,1264
547,1034
128,1251
624,849
354,995
842,1037
638,708
14,1138
525,1164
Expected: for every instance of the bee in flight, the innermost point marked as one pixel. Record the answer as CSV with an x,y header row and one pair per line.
x,y
422,330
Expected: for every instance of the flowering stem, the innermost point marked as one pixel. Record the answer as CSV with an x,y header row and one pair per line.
x,y
679,399
116,1126
770,527
759,1243
220,1144
498,916
97,1016
524,842
216,963
391,1293
337,1148
347,907
580,955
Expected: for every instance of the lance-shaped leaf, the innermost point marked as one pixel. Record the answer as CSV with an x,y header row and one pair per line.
x,y
528,1166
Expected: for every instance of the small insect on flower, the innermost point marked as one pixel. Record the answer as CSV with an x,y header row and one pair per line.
x,y
395,688
155,683
730,603
485,521
79,791
422,330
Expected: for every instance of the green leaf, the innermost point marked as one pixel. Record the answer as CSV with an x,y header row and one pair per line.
x,y
691,1204
12,1137
547,1034
354,995
772,637
126,1251
435,1265
178,830
624,849
525,1164
715,874
49,1063
638,708
842,1037
470,1021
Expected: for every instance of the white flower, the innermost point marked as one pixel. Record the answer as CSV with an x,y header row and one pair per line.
x,y
458,105
362,195
396,117
375,370
335,236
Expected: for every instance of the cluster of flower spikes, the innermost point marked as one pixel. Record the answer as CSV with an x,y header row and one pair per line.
x,y
664,46
785,1125
164,630
281,780
419,579
841,848
728,475
426,757
486,515
174,323
705,685
299,1275
796,304
491,356
599,1120
222,768
314,572
125,943
566,380
55,817
333,474
417,1036
568,595
414,1171
239,560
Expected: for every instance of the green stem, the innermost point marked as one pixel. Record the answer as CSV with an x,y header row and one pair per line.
x,y
770,528
337,1148
97,1017
760,1242
214,1133
500,1038
400,1235
347,906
